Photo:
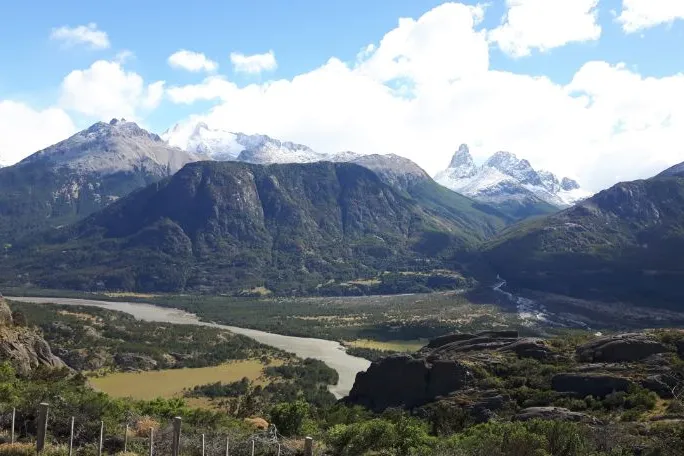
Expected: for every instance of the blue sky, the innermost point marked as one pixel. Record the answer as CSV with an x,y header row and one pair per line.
x,y
467,55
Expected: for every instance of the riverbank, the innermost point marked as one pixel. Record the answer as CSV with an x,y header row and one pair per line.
x,y
331,353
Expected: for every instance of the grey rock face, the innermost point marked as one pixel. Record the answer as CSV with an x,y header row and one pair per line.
x,y
25,349
568,184
620,348
530,347
405,381
589,384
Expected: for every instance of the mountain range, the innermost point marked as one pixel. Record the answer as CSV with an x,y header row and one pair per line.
x,y
117,207
509,183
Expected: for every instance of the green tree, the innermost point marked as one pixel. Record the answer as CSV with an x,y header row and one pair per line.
x,y
289,417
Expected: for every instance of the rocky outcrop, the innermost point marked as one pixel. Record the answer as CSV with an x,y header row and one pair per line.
x,y
620,348
402,380
84,360
596,385
135,362
663,385
489,340
26,350
462,337
553,413
529,347
5,313
23,348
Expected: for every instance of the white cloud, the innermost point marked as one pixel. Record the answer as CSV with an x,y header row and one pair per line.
x,y
124,56
546,24
608,124
192,61
637,15
253,64
106,90
24,130
439,45
214,87
89,35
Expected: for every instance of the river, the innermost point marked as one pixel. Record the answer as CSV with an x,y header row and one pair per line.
x,y
533,313
331,353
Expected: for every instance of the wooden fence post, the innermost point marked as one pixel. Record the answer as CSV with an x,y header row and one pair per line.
x,y
202,444
227,446
151,440
42,426
99,448
252,447
308,446
176,436
126,440
14,416
71,437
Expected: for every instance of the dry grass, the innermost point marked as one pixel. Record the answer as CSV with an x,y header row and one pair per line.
x,y
29,449
391,345
131,295
142,427
171,382
81,316
258,291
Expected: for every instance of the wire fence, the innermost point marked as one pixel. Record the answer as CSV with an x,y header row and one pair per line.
x,y
141,436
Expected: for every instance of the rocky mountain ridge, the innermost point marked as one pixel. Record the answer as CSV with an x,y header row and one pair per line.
x,y
624,244
504,179
86,172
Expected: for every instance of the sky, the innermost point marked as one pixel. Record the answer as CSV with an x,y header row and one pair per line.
x,y
589,89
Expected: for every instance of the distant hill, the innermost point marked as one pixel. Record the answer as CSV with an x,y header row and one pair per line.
x,y
625,243
80,175
229,226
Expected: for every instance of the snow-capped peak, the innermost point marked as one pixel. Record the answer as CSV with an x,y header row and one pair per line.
x,y
224,145
462,164
511,165
505,176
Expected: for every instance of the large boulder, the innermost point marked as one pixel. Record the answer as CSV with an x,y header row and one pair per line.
x,y
529,347
404,381
553,413
597,385
620,348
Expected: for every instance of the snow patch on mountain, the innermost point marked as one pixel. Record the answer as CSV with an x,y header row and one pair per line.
x,y
223,145
506,177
